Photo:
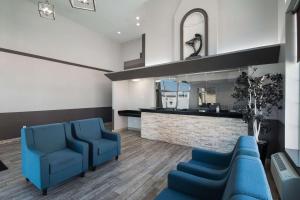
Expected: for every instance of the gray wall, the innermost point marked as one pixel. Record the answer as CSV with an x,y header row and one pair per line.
x,y
224,89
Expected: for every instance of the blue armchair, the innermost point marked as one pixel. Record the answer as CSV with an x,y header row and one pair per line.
x,y
51,155
103,145
246,180
215,165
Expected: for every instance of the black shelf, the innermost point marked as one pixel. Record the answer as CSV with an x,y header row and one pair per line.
x,y
130,113
232,60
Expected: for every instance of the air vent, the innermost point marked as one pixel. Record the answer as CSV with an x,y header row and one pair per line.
x,y
285,177
279,162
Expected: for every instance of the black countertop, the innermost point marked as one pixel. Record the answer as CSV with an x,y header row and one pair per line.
x,y
196,112
130,113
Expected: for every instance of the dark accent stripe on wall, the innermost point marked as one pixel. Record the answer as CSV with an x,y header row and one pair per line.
x,y
11,123
51,59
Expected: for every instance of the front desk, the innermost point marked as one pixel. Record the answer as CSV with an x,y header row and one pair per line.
x,y
209,130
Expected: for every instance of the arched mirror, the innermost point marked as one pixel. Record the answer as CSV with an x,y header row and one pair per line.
x,y
194,34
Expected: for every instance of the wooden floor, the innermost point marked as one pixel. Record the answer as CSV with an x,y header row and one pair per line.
x,y
140,173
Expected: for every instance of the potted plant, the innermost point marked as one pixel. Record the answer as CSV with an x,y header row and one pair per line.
x,y
256,97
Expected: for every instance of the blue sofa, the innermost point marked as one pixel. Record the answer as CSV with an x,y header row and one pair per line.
x,y
214,165
50,155
246,181
103,145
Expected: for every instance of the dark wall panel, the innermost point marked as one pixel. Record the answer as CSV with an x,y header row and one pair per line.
x,y
11,123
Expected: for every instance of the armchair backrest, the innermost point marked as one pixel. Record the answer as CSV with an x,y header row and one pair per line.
x,y
87,128
47,138
247,142
246,145
247,179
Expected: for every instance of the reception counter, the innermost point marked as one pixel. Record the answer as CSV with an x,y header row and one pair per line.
x,y
209,130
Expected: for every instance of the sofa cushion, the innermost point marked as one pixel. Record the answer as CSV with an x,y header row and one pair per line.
x,y
105,145
247,178
63,159
49,138
88,129
169,194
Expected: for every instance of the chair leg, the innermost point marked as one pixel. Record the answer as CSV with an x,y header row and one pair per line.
x,y
117,157
27,180
93,168
82,174
44,192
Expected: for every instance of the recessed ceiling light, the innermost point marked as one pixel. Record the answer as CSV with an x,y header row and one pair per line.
x,y
119,32
138,24
137,18
46,10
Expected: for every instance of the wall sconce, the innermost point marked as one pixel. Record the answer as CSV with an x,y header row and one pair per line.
x,y
84,4
46,10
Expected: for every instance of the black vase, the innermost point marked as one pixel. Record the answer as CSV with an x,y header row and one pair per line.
x,y
263,150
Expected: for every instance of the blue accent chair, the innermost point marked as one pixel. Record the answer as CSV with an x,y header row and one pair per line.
x,y
246,181
215,165
50,155
103,145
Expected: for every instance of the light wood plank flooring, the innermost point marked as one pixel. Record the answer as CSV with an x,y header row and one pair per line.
x,y
140,173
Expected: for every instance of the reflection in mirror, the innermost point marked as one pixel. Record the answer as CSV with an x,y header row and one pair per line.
x,y
206,92
207,96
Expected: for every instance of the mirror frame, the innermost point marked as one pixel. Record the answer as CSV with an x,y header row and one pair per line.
x,y
204,13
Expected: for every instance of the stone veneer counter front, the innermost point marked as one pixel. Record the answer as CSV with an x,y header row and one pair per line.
x,y
214,133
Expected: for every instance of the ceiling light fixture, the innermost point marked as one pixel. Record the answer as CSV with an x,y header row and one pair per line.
x,y
46,10
84,4
138,24
119,32
137,18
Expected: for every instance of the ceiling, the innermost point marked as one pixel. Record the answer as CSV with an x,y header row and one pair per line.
x,y
110,17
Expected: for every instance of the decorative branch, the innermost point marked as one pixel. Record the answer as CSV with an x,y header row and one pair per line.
x,y
262,93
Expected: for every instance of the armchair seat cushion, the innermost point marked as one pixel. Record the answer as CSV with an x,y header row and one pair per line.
x,y
204,170
105,145
63,159
206,165
168,194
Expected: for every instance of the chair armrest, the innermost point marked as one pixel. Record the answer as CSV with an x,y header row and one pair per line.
x,y
212,157
196,186
202,171
113,136
38,168
82,148
110,135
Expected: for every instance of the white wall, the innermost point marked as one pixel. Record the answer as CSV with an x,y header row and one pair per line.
x,y
141,93
292,88
158,26
131,50
120,99
132,95
233,25
28,84
246,24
